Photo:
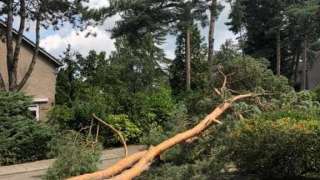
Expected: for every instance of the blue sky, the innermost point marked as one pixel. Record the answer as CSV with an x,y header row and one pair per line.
x,y
55,42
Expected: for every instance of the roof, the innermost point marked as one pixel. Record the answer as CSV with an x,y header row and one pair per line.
x,y
32,44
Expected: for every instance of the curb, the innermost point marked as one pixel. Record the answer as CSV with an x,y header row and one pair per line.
x,y
110,154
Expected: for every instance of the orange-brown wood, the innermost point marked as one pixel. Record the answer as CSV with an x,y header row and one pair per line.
x,y
114,169
145,158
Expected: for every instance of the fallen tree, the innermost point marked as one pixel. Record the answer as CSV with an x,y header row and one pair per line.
x,y
144,158
141,161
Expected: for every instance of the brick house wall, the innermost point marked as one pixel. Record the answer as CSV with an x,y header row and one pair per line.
x,y
42,82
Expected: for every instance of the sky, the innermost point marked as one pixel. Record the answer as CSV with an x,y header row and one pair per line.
x,y
55,42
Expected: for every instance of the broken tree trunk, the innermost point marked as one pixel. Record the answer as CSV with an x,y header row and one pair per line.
x,y
146,157
114,169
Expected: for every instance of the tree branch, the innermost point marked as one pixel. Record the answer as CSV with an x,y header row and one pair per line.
x,y
19,39
9,45
145,161
35,54
146,158
123,141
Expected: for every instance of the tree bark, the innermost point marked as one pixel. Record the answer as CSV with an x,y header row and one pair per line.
x,y
188,59
305,65
34,57
146,158
114,169
19,40
123,141
9,46
296,67
278,53
2,83
211,38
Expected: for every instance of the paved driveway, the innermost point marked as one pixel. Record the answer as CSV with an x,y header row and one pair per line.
x,y
35,170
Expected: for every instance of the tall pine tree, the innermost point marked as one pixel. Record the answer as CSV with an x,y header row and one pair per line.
x,y
199,63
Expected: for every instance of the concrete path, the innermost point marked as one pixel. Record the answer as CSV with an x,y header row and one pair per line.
x,y
35,170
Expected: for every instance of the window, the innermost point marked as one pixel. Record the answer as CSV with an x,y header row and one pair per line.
x,y
35,111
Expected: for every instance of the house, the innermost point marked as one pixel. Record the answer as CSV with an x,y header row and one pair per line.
x,y
42,82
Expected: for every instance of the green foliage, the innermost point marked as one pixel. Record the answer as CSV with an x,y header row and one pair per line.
x,y
75,155
304,101
249,74
259,22
122,123
317,93
199,64
60,116
14,104
280,146
176,122
22,139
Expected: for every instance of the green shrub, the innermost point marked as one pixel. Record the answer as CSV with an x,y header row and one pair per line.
x,y
250,74
22,139
155,106
76,155
61,116
122,123
317,93
283,147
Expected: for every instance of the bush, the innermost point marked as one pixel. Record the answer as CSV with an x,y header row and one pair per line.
x,y
76,155
122,123
283,147
22,139
61,117
317,93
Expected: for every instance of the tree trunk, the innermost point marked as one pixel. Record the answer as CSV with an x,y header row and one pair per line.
x,y
147,157
211,39
19,39
305,65
114,169
296,67
188,59
2,83
12,79
34,57
278,53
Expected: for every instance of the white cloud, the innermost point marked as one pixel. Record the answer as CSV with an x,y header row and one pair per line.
x,y
94,4
57,43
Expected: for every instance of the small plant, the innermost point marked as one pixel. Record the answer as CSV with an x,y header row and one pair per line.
x,y
75,155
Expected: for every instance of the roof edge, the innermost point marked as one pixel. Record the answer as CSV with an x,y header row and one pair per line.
x,y
32,44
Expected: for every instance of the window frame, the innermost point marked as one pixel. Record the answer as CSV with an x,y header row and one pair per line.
x,y
35,108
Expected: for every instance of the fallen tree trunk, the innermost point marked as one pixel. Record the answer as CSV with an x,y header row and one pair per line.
x,y
146,157
114,169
